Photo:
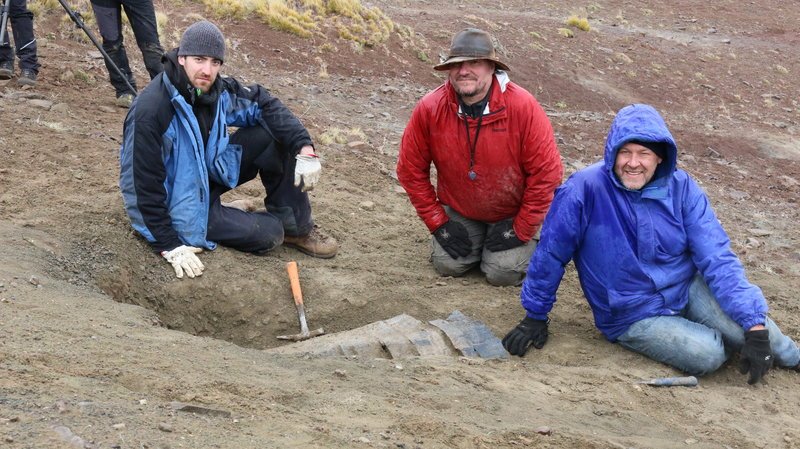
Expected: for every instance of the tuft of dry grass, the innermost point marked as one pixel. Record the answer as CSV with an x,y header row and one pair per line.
x,y
279,16
581,23
161,22
40,7
341,136
368,26
227,9
566,32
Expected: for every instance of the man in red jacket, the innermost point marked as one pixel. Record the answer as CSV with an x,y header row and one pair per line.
x,y
496,161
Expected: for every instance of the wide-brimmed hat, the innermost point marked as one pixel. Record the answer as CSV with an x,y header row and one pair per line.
x,y
471,44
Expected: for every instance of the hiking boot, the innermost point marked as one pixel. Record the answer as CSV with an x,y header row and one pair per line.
x,y
315,244
27,78
125,100
6,70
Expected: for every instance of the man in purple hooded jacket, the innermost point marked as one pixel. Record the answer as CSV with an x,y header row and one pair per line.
x,y
653,260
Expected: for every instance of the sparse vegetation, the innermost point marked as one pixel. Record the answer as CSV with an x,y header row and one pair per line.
x,y
367,26
566,32
227,9
161,22
409,39
536,44
341,136
581,23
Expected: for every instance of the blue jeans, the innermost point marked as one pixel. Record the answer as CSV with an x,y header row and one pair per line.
x,y
701,340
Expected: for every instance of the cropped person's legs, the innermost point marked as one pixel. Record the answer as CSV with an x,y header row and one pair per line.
x,y
142,17
6,58
676,341
703,308
24,42
109,21
443,263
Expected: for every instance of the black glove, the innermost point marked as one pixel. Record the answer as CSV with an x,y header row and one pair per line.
x,y
501,236
528,331
756,355
454,238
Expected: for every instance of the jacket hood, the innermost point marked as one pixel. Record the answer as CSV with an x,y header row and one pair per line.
x,y
641,122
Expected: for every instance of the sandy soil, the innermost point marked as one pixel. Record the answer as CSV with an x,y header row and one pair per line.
x,y
99,340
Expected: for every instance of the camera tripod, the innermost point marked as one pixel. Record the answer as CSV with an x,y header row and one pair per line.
x,y
76,17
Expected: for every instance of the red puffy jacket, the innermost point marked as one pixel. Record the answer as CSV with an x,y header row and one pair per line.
x,y
517,164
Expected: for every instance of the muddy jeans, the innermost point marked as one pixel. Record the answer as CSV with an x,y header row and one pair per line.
x,y
703,338
24,43
501,268
142,17
288,208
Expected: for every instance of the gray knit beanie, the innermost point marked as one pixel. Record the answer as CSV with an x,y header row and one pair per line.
x,y
202,39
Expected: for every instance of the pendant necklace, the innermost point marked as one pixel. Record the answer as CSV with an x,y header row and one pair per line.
x,y
471,174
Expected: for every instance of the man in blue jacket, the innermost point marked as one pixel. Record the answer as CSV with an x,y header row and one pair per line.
x,y
177,159
653,260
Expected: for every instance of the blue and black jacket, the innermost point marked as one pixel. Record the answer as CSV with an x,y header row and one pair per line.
x,y
168,159
636,252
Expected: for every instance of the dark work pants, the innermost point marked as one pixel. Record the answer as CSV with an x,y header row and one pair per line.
x,y
142,17
288,208
24,43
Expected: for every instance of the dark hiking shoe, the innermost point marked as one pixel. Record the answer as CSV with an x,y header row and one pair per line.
x,y
315,244
6,70
125,100
27,78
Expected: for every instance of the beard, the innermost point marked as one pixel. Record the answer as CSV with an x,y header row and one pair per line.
x,y
473,88
471,91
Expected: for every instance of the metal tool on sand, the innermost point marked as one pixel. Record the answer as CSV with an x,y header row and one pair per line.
x,y
688,381
294,280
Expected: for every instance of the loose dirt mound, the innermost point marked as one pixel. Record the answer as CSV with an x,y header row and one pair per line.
x,y
100,339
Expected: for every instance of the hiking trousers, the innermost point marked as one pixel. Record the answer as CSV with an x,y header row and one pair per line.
x,y
21,20
142,17
288,209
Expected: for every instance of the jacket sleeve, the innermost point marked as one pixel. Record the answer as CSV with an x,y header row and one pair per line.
x,y
711,253
414,169
143,132
541,162
252,105
562,233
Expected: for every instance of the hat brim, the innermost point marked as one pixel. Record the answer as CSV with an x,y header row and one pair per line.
x,y
456,59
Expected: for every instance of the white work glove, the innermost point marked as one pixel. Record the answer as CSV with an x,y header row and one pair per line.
x,y
183,260
307,171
